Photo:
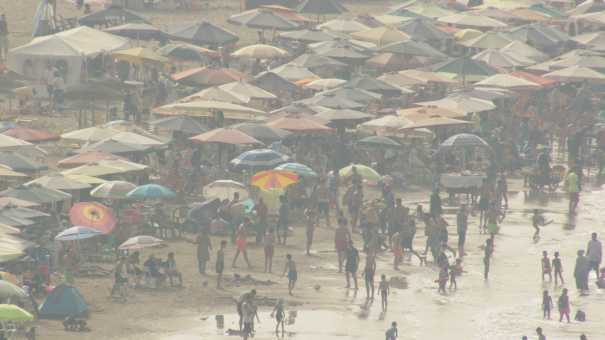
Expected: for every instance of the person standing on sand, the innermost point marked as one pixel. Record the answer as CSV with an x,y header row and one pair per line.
x,y
341,239
351,265
290,269
581,272
269,250
546,266
262,212
564,306
487,256
241,242
383,288
541,335
220,264
558,268
392,333
203,250
245,298
280,316
546,305
368,274
461,228
594,253
310,222
282,220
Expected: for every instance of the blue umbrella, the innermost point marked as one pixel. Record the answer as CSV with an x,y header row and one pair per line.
x,y
77,233
259,159
297,168
151,191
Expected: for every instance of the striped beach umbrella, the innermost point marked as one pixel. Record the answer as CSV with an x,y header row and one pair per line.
x,y
297,168
274,179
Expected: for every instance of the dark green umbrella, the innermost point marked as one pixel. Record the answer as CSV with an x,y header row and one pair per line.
x,y
111,15
413,48
204,33
465,67
378,142
321,7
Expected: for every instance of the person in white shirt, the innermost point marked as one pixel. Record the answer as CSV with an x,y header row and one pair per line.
x,y
594,253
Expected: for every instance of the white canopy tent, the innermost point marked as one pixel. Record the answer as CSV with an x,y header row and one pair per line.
x,y
70,49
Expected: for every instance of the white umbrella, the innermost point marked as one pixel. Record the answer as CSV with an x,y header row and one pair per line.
x,y
76,233
224,189
325,84
140,242
576,73
507,81
260,51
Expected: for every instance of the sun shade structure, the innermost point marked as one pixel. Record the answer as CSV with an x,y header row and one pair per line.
x,y
380,36
113,190
141,242
262,132
139,55
36,194
508,81
226,136
298,124
59,182
208,76
87,158
343,26
461,103
204,33
151,191
186,52
183,124
30,135
307,36
207,108
576,74
93,215
225,189
111,14
258,159
263,19
321,7
469,20
260,51
138,31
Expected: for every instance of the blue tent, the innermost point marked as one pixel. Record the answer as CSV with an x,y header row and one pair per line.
x,y
63,301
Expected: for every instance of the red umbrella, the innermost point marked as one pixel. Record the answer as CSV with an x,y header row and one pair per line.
x,y
30,135
298,124
93,215
226,136
87,158
209,76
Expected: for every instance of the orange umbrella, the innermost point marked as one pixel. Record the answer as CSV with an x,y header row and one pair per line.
x,y
30,135
274,179
226,136
93,215
298,124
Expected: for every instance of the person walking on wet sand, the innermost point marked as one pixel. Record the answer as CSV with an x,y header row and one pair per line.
x,y
564,306
280,316
572,185
392,333
283,220
461,228
341,239
269,250
310,222
368,275
352,265
594,253
537,221
546,266
546,305
220,264
384,289
487,255
241,242
557,266
290,269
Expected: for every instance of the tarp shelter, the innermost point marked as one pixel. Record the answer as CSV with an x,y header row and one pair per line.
x,y
68,49
62,302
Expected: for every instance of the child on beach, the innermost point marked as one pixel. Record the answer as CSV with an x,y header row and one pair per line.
x,y
443,278
397,250
290,268
546,304
220,264
563,305
546,267
455,270
383,288
280,316
558,268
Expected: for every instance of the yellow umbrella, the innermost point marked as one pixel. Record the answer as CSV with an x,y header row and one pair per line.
x,y
139,55
380,36
274,179
14,313
467,34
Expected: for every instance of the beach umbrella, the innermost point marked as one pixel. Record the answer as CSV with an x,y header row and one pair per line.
x,y
428,10
461,103
91,134
36,194
593,40
539,35
139,55
14,313
151,191
469,20
30,135
508,81
93,215
9,289
260,51
487,40
467,34
215,94
581,58
208,108
208,76
378,142
247,91
262,132
77,233
274,179
423,30
298,124
20,163
225,189
413,48
499,59
263,19
87,179
428,111
534,78
15,202
389,61
59,182
314,61
226,136
8,142
112,146
187,52
343,26
386,123
519,49
183,124
321,7
576,74
432,122
343,52
344,116
111,15
205,33
364,171
87,158
258,159
138,31
464,140
106,168
325,84
465,68
374,85
113,190
380,36
307,36
7,172
297,168
330,100
294,73
140,242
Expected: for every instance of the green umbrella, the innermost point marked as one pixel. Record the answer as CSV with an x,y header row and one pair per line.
x,y
465,67
14,313
378,141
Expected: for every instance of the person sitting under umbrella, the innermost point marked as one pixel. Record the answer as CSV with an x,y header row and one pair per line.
x,y
152,269
172,271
